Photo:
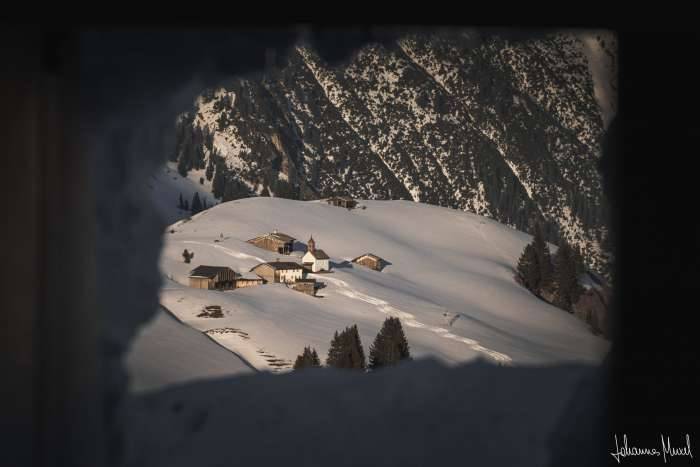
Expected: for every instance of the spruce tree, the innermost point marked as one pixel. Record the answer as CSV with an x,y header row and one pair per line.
x,y
390,345
180,204
187,255
567,287
356,351
346,350
544,261
308,359
209,172
219,183
528,270
196,204
182,166
335,351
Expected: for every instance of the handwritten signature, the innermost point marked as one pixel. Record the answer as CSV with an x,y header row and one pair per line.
x,y
666,449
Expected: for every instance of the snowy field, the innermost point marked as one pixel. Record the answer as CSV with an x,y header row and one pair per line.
x,y
167,352
450,280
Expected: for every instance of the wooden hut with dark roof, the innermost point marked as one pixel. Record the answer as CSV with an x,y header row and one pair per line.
x,y
213,277
342,201
275,241
371,261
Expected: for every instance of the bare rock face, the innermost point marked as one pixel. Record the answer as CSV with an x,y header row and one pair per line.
x,y
457,118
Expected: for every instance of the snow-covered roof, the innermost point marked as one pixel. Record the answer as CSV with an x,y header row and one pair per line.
x,y
281,237
369,255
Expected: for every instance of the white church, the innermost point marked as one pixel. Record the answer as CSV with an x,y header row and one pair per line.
x,y
315,259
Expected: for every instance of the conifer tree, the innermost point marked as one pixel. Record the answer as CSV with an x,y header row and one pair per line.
x,y
544,261
182,165
346,350
196,203
308,359
528,271
534,269
390,345
187,255
567,287
219,183
180,204
209,173
335,351
187,206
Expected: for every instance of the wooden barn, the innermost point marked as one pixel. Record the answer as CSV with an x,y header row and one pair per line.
x,y
307,286
371,261
275,241
279,271
342,202
246,281
213,277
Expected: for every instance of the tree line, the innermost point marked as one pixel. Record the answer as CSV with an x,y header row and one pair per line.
x,y
389,348
554,279
196,206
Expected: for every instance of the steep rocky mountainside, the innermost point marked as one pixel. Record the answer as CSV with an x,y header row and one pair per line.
x,y
512,131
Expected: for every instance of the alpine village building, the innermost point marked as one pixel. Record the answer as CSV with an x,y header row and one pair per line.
x,y
316,260
213,277
342,202
279,271
371,261
278,242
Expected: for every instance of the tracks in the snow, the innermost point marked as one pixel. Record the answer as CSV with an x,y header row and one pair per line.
x,y
409,320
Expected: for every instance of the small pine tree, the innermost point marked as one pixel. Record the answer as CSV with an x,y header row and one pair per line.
x,y
182,166
219,183
196,204
528,269
567,287
187,206
180,204
544,260
578,261
187,255
335,351
390,346
308,359
209,172
346,350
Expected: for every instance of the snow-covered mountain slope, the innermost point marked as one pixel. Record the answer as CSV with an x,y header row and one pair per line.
x,y
167,352
450,280
509,130
167,185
